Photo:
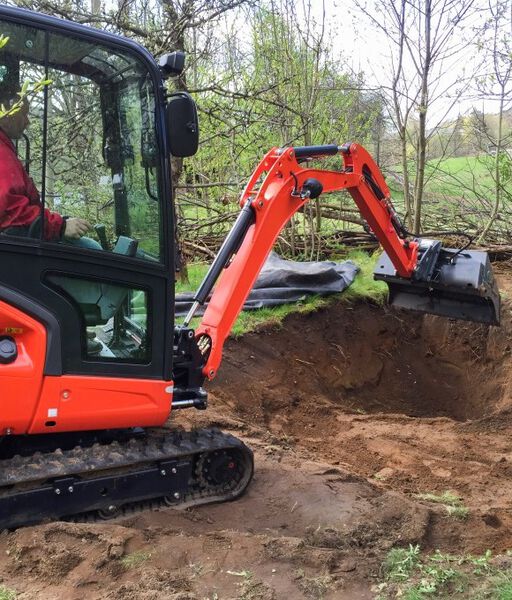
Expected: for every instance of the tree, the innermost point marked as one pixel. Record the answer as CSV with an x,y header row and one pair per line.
x,y
497,85
280,86
425,42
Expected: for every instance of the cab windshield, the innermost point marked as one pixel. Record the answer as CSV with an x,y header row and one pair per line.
x,y
91,147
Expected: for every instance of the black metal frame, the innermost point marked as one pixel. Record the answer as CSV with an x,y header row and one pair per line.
x,y
73,495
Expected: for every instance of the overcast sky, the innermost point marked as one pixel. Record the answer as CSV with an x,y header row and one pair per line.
x,y
368,50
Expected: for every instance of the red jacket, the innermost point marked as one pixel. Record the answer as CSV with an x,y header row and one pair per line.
x,y
20,204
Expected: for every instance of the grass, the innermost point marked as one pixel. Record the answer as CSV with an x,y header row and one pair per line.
x,y
501,588
452,177
196,271
363,287
134,560
467,176
409,575
451,501
6,593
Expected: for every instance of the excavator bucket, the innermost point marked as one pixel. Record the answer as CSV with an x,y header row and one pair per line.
x,y
450,283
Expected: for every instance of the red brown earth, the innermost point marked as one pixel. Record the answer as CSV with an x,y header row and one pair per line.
x,y
352,411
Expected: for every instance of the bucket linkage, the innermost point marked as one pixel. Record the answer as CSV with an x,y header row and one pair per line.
x,y
457,284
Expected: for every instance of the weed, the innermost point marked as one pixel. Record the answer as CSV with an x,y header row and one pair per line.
x,y
481,563
313,587
400,562
132,561
435,577
410,576
6,593
451,501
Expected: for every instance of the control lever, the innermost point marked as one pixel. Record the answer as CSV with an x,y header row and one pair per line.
x,y
101,232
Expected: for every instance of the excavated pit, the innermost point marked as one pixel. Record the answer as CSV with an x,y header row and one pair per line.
x,y
365,359
418,404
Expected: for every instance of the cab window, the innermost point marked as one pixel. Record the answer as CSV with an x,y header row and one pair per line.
x,y
91,146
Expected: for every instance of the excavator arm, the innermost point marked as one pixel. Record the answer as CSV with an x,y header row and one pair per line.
x,y
278,188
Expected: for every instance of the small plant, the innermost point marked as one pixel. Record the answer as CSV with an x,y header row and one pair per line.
x,y
400,563
131,561
481,563
7,594
451,501
434,577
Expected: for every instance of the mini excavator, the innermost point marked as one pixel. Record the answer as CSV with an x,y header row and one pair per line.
x,y
91,361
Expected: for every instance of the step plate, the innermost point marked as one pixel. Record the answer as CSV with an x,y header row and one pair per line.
x,y
462,286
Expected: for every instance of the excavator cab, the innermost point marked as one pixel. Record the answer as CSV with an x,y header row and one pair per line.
x,y
98,147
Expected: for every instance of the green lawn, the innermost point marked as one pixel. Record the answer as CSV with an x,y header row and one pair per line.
x,y
363,287
463,176
468,176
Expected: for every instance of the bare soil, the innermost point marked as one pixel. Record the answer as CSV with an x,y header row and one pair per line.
x,y
352,412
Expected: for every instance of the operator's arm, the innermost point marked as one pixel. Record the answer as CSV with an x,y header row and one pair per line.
x,y
19,199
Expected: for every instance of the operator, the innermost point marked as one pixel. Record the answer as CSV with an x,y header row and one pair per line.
x,y
20,204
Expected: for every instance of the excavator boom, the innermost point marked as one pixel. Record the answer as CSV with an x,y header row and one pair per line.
x,y
421,274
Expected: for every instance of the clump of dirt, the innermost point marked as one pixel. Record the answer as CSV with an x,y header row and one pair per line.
x,y
392,522
153,585
51,552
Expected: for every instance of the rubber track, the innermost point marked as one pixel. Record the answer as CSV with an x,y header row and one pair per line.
x,y
104,457
158,445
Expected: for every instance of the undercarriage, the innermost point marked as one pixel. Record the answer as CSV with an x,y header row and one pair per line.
x,y
102,478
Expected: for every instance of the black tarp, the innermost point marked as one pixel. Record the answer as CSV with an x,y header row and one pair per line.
x,y
284,281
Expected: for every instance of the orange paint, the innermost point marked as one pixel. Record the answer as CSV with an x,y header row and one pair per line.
x,y
21,380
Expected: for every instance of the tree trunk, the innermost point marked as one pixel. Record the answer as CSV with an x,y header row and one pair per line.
x,y
422,138
407,193
497,174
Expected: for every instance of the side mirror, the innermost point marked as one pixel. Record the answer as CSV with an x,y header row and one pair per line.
x,y
182,125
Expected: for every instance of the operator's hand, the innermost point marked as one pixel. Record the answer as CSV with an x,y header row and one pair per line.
x,y
76,228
